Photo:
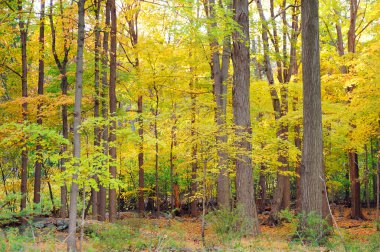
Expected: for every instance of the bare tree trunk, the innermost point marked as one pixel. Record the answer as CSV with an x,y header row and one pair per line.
x,y
71,241
97,133
194,150
24,85
102,189
366,181
62,66
112,98
241,111
41,76
156,152
220,74
141,203
355,186
312,151
173,173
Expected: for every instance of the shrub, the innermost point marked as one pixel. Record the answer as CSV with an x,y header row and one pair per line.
x,y
312,229
229,224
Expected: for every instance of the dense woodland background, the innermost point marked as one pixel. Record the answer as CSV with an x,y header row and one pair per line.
x,y
183,107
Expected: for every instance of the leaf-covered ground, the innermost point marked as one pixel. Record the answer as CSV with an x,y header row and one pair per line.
x,y
184,234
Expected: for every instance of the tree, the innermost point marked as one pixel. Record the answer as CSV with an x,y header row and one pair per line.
x,y
62,67
71,240
41,76
112,102
312,151
24,86
104,55
241,111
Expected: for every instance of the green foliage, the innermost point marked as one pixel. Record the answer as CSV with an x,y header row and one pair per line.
x,y
312,229
228,225
286,215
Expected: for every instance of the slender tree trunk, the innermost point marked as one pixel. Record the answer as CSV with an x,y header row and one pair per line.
x,y
141,202
112,98
194,150
156,152
366,182
41,76
24,85
378,185
374,172
241,111
97,132
312,151
71,240
64,86
173,173
102,190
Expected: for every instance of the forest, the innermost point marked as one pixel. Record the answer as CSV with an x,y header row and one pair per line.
x,y
189,125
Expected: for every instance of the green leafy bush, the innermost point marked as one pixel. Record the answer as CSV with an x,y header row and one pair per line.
x,y
312,229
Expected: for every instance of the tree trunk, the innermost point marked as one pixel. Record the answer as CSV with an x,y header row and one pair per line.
x,y
366,182
194,149
102,190
97,132
355,186
241,111
112,98
41,76
62,66
220,75
24,85
71,240
173,172
312,151
141,203
156,152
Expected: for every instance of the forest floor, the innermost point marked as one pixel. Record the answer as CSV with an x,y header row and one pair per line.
x,y
131,233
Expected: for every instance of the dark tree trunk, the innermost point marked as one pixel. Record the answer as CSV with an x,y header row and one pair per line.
x,y
71,240
102,190
24,87
156,152
64,85
242,120
112,98
41,76
366,179
312,151
141,203
97,132
355,186
194,150
173,172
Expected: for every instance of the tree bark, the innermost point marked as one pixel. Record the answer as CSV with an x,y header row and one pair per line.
x,y
241,111
97,132
102,189
194,150
24,87
41,76
219,74
62,66
112,98
71,240
312,151
355,186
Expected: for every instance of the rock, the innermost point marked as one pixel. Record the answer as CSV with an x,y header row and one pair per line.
x,y
266,213
62,225
39,224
